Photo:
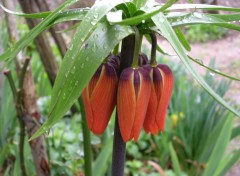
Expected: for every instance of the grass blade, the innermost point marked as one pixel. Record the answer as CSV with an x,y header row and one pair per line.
x,y
100,166
174,159
234,158
220,147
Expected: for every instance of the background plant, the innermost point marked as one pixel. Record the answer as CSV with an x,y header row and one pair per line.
x,y
204,33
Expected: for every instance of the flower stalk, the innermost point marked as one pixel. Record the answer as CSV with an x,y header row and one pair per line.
x,y
137,47
153,61
87,141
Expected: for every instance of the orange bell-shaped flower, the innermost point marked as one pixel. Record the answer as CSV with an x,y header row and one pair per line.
x,y
161,90
100,97
134,90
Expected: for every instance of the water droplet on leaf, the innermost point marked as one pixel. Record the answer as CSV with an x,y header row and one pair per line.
x,y
76,83
73,70
64,96
212,74
199,61
82,65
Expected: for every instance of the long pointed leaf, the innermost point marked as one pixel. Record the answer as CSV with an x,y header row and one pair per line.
x,y
101,164
213,70
175,160
166,29
182,38
138,19
235,157
200,18
220,147
24,41
202,6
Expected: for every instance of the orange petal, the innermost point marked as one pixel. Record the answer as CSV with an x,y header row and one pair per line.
x,y
142,95
100,98
150,123
87,93
94,80
103,99
88,108
168,81
126,103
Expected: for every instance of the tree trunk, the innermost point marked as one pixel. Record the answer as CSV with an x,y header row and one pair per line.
x,y
42,42
58,38
31,114
210,2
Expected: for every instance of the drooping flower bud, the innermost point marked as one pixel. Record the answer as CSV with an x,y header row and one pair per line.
x,y
142,59
132,99
114,60
161,90
100,97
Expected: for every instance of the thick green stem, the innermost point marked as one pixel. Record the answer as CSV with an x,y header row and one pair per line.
x,y
153,61
116,49
137,48
119,146
86,141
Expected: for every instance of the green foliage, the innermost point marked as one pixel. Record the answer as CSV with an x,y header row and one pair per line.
x,y
66,152
204,33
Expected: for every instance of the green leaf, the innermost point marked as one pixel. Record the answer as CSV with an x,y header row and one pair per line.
x,y
228,17
138,19
207,147
200,18
220,147
202,6
131,8
225,17
24,41
182,38
72,14
32,15
78,68
213,70
174,159
230,162
235,132
139,3
101,165
168,32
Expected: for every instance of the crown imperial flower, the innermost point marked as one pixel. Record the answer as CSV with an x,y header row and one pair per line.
x,y
161,90
132,99
99,97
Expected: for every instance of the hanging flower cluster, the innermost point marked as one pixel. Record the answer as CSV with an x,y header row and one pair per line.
x,y
141,93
